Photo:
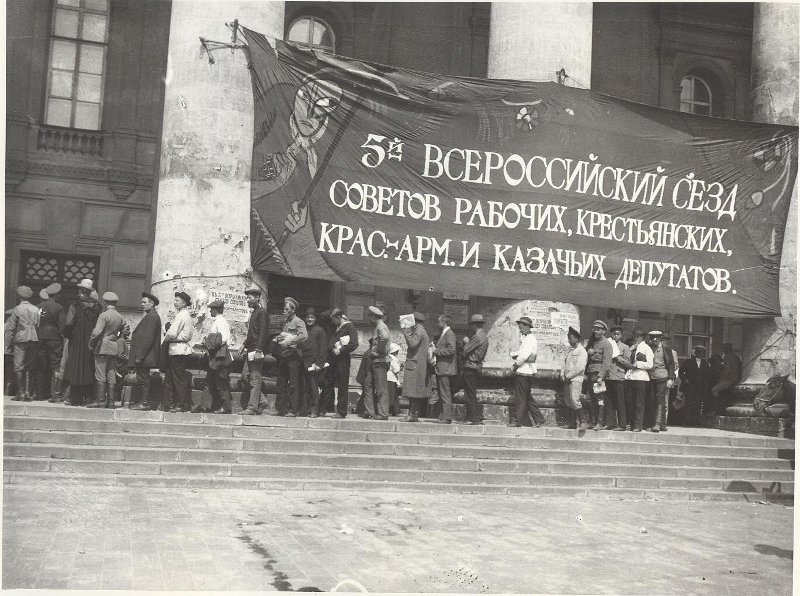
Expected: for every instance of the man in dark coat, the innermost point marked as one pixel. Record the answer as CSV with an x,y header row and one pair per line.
x,y
253,349
694,375
475,350
341,344
445,352
81,319
144,351
314,353
51,343
731,375
416,380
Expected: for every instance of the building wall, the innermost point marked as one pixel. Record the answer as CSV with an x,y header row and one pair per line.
x,y
86,192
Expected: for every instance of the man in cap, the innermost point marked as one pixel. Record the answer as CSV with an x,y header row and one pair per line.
x,y
474,352
315,353
445,368
416,380
21,338
293,334
601,352
53,317
254,347
217,343
572,375
694,374
616,410
730,376
638,378
104,342
144,351
662,378
342,343
178,380
376,387
524,369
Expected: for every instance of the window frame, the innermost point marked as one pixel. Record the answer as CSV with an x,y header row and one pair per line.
x,y
694,78
308,44
78,42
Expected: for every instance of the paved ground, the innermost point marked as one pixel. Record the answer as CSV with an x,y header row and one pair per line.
x,y
75,537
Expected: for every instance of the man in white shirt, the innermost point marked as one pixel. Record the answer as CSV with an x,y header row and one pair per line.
x,y
219,359
178,380
638,377
524,369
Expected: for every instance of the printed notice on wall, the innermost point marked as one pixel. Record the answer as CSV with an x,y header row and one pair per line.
x,y
235,305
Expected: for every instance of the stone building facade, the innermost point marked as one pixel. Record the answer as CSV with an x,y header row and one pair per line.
x,y
140,177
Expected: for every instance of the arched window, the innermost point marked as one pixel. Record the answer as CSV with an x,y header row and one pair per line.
x,y
312,32
696,96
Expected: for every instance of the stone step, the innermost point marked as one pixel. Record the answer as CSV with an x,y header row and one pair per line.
x,y
284,441
225,425
265,471
283,484
348,460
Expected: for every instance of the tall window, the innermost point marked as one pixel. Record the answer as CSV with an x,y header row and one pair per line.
x,y
689,331
695,96
77,64
313,33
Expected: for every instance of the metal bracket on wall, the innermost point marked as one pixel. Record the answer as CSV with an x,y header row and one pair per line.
x,y
209,45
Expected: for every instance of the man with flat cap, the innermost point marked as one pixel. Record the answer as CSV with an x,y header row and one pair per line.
x,y
662,378
315,353
376,388
572,375
694,374
253,349
144,352
638,379
21,338
601,352
416,380
474,353
445,368
342,343
524,369
290,359
218,379
178,380
53,317
617,414
730,376
104,342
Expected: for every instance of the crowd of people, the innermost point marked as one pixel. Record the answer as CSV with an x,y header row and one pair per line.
x,y
608,383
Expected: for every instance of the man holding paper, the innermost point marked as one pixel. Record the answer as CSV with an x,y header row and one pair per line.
x,y
340,345
416,380
293,335
524,369
315,351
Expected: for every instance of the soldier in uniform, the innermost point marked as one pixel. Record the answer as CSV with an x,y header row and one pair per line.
x,y
343,341
51,343
290,360
377,366
104,341
21,338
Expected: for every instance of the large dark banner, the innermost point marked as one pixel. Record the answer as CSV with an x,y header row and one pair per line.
x,y
385,176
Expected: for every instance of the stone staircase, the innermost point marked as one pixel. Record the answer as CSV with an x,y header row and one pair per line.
x,y
62,444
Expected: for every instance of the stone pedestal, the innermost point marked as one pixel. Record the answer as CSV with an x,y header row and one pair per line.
x,y
202,232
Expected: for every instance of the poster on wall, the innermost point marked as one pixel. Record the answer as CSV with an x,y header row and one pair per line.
x,y
380,175
236,308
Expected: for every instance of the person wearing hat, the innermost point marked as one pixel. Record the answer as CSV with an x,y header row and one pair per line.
x,y
51,343
474,352
730,376
218,379
662,378
416,380
694,373
315,353
393,379
524,369
290,360
79,368
638,379
255,345
601,352
21,338
104,342
616,403
178,380
376,389
445,368
572,375
144,353
343,341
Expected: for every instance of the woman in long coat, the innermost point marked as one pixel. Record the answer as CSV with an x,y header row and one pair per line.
x,y
79,369
416,381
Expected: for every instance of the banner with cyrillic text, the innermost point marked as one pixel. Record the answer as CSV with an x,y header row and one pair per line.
x,y
375,174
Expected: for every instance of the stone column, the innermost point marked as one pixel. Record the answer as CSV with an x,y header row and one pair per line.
x,y
531,41
202,229
769,343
